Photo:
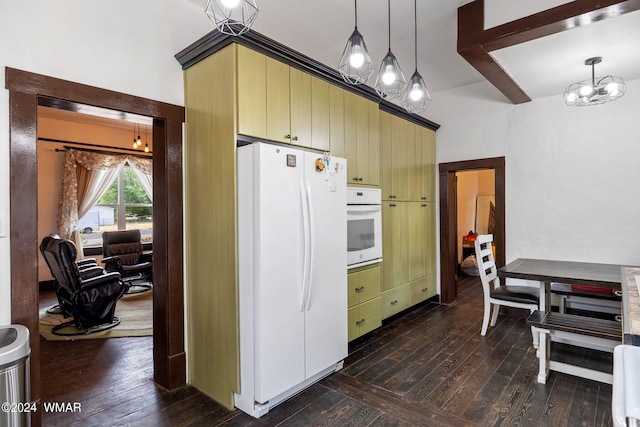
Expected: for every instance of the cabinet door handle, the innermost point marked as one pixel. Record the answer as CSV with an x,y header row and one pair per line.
x,y
287,136
423,205
423,198
360,289
295,138
360,179
393,205
359,322
355,178
394,302
425,289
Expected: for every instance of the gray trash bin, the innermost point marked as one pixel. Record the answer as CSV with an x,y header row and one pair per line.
x,y
14,376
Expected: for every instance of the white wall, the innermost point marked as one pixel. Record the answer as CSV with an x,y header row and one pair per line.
x,y
122,45
572,173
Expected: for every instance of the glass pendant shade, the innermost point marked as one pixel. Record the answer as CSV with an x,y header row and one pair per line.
x,y
232,17
597,90
355,65
416,98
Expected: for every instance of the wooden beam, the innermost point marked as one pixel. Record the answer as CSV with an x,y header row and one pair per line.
x,y
475,44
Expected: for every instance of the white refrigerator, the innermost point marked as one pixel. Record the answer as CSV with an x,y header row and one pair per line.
x,y
292,271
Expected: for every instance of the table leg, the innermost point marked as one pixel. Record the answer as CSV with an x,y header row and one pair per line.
x,y
544,345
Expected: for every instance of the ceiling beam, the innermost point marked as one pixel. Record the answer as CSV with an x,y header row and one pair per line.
x,y
475,44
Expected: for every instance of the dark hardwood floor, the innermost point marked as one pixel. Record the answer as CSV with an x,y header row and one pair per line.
x,y
429,367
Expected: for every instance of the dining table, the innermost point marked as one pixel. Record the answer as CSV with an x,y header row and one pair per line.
x,y
546,272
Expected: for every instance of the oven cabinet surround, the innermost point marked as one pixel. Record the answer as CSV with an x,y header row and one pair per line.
x,y
360,141
408,214
364,302
236,90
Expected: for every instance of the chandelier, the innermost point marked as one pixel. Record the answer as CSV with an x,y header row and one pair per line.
x,y
355,65
597,90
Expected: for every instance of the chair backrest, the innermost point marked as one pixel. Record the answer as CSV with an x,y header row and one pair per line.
x,y
126,244
47,241
60,255
486,262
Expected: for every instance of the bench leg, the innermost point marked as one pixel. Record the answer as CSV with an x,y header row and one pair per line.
x,y
544,352
536,337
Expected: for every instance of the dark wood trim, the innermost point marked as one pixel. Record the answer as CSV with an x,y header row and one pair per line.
x,y
475,44
23,232
448,233
25,89
214,41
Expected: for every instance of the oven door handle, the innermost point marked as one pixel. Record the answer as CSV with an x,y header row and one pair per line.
x,y
358,209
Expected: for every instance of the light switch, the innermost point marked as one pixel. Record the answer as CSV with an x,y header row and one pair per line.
x,y
3,229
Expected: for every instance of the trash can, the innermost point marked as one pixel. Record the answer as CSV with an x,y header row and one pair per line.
x,y
14,376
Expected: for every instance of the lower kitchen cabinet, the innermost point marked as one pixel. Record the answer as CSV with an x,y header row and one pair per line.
x,y
364,300
401,297
364,318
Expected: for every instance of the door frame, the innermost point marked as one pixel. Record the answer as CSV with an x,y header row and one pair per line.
x,y
448,219
26,90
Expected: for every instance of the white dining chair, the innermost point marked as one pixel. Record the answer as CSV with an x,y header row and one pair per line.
x,y
496,295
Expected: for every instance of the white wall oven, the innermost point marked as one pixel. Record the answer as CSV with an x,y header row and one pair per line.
x,y
364,226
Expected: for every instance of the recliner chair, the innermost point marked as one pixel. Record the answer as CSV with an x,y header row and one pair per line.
x,y
88,268
123,252
90,297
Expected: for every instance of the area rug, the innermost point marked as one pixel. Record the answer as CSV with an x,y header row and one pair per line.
x,y
136,320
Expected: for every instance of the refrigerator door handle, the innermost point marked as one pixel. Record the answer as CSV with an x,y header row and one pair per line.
x,y
312,225
305,245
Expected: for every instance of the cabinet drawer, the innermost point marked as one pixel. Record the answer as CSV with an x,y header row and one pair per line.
x,y
363,285
395,300
364,318
423,288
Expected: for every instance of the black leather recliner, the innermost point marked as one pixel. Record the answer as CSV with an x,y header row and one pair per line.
x,y
88,268
90,296
123,252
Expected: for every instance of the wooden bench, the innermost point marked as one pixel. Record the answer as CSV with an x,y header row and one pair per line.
x,y
583,331
606,302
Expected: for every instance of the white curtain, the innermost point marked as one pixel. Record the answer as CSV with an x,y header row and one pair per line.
x,y
143,168
103,168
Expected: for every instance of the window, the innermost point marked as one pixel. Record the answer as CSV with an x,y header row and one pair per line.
x,y
124,206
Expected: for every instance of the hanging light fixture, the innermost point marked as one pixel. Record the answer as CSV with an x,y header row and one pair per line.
x,y
232,17
596,91
355,65
416,97
390,81
135,143
146,139
138,141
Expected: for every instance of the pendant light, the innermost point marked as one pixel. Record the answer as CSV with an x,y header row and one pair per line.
x,y
355,65
135,143
416,98
146,139
596,91
232,17
390,81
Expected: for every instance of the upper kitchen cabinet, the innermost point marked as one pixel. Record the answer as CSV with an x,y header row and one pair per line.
x,y
280,103
408,153
361,140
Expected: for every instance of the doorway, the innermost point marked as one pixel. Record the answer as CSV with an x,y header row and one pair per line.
x,y
448,219
26,92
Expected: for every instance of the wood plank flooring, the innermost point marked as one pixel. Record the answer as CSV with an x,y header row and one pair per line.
x,y
429,367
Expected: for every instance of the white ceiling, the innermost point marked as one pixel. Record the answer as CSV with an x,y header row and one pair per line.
x,y
543,67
